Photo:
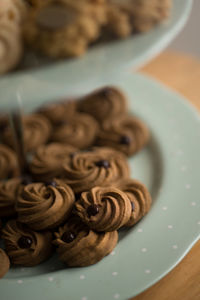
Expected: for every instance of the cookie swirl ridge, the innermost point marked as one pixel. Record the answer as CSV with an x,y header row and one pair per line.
x,y
139,197
24,246
126,134
48,160
79,132
104,209
37,130
8,196
104,103
8,163
79,246
43,206
4,263
98,167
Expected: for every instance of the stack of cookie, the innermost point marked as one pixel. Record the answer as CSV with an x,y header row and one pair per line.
x,y
77,192
66,28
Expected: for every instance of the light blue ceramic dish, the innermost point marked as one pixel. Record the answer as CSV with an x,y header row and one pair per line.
x,y
170,167
100,65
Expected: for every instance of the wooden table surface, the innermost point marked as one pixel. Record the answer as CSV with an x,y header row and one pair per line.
x,y
182,73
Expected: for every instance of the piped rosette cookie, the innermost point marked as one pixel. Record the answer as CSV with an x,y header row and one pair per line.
x,y
8,196
104,104
62,28
47,162
139,197
45,206
37,130
60,112
79,246
8,163
80,131
125,133
104,209
95,167
24,246
4,263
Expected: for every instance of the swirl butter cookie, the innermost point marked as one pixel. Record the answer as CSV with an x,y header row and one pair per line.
x,y
104,209
47,162
43,206
95,167
61,28
24,246
126,134
80,131
13,11
8,163
58,113
11,48
8,196
103,104
4,263
37,130
79,246
139,196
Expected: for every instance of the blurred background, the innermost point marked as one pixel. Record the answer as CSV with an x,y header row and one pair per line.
x,y
188,40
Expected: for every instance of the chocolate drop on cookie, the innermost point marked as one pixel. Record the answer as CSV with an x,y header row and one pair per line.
x,y
106,92
68,237
51,183
103,163
125,140
54,17
92,210
132,206
25,242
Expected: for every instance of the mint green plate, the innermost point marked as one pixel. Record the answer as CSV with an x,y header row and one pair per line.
x,y
170,167
94,69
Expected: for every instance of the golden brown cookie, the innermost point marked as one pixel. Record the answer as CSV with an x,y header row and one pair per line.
x,y
79,246
80,132
126,134
95,167
62,28
4,263
103,104
139,196
142,14
58,113
43,206
13,11
37,130
8,163
8,196
24,246
104,209
47,162
11,48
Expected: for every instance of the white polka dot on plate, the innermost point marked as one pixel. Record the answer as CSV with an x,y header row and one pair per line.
x,y
82,277
179,152
114,273
188,186
112,253
183,168
144,250
169,226
84,298
116,296
19,281
198,223
175,247
140,230
164,208
193,203
50,279
147,271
